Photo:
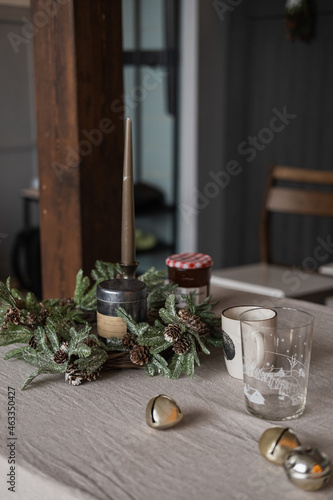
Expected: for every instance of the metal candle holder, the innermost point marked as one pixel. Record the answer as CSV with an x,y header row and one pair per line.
x,y
129,294
128,271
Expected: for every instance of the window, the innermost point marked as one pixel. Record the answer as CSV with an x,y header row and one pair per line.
x,y
150,41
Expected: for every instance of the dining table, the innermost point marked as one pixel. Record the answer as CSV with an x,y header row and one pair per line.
x,y
92,442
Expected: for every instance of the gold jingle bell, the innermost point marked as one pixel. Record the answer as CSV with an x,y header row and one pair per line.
x,y
163,412
276,443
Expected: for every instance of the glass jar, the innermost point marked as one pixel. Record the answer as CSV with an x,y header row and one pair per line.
x,y
191,272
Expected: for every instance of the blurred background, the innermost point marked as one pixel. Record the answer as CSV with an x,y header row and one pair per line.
x,y
202,83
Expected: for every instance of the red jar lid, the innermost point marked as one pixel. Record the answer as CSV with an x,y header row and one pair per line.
x,y
189,261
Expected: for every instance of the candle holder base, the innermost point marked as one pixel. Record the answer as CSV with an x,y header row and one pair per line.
x,y
128,270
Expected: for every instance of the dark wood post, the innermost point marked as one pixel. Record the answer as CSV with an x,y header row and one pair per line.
x,y
80,130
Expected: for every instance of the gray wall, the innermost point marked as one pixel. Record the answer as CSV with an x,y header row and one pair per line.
x,y
247,69
18,163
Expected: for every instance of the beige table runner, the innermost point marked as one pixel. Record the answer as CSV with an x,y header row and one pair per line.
x,y
92,442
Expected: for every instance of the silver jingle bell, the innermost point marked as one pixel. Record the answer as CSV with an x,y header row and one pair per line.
x,y
163,412
308,468
276,443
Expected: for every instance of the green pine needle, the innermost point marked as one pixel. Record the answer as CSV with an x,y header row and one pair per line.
x,y
32,304
176,365
105,271
160,365
151,337
31,377
15,353
5,295
14,334
168,313
81,286
150,369
76,346
160,346
115,344
200,342
94,361
158,289
194,351
133,326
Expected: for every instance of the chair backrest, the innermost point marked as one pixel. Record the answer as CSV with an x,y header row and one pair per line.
x,y
294,191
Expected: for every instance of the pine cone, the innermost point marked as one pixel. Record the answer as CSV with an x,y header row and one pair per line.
x,y
19,303
139,355
44,314
30,320
203,330
90,342
93,376
172,332
32,342
129,340
73,375
66,301
62,354
181,346
193,322
188,319
13,315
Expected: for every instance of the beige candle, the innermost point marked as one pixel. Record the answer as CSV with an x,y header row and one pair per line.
x,y
128,223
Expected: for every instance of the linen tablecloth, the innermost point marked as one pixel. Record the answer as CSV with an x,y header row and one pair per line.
x,y
92,442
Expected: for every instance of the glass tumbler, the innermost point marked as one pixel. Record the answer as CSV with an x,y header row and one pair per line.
x,y
276,360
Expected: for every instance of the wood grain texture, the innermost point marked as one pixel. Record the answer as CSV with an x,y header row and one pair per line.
x,y
298,201
303,175
78,74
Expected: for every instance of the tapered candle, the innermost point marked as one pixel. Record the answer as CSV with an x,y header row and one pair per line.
x,y
128,221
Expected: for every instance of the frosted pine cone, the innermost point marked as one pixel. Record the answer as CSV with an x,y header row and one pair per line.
x,y
128,340
182,346
193,322
93,376
73,375
30,320
90,342
13,315
66,301
19,303
188,319
62,354
44,314
172,332
202,329
139,355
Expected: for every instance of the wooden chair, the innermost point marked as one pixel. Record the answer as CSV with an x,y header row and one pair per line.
x,y
296,195
289,190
